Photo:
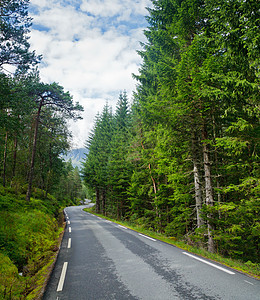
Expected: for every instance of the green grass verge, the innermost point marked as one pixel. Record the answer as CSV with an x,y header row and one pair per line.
x,y
40,280
249,268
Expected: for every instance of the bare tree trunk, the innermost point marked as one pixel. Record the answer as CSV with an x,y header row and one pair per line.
x,y
30,142
97,200
216,163
103,202
31,169
14,157
154,184
118,209
121,209
47,183
197,182
4,162
46,186
208,189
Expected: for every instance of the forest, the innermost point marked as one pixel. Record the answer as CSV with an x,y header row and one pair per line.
x,y
182,158
35,183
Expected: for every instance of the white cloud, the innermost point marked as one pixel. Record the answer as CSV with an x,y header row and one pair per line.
x,y
123,10
103,8
88,50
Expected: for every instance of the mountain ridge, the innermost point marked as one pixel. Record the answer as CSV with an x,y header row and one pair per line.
x,y
76,156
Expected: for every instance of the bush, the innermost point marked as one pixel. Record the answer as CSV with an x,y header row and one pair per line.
x,y
27,237
11,284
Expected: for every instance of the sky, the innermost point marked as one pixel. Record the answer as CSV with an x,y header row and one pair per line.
x,y
90,48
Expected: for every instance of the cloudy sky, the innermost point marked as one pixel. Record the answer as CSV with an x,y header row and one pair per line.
x,y
89,47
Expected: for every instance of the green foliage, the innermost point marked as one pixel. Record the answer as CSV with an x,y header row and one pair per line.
x,y
188,162
11,284
28,235
14,28
69,189
33,135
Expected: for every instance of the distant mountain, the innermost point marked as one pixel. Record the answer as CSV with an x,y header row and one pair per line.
x,y
76,156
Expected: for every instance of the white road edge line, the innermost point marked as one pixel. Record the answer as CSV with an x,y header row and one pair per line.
x,y
62,277
248,282
122,226
69,229
69,243
209,263
147,237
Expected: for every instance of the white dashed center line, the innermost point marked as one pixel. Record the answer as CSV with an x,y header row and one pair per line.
x,y
62,277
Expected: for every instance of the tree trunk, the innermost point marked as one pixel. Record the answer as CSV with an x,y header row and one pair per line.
x,y
197,182
14,157
154,184
118,209
218,176
31,169
208,188
103,202
97,201
4,162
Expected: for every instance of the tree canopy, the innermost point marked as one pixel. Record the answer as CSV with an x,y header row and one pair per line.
x,y
187,161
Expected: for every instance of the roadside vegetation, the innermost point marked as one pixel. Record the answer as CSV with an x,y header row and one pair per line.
x,y
35,183
249,268
28,239
30,233
183,159
181,163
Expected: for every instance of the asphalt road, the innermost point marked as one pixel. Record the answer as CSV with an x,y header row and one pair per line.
x,y
103,260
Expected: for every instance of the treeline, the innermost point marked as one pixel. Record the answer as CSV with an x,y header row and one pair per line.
x,y
184,159
33,115
35,182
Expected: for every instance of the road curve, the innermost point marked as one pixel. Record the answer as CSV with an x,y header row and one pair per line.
x,y
103,260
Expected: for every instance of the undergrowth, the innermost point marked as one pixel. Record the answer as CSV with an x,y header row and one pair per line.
x,y
29,233
249,268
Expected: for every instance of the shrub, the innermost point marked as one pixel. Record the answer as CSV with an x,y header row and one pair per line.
x,y
11,284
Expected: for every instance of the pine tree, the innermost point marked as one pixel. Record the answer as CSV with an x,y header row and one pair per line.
x,y
14,29
53,97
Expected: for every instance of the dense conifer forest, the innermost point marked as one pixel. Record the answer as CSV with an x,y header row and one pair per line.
x,y
183,158
35,183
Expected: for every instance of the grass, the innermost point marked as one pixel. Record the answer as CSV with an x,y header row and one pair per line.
x,y
249,268
40,280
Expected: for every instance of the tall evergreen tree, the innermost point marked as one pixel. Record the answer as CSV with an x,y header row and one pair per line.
x,y
14,28
119,168
99,148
